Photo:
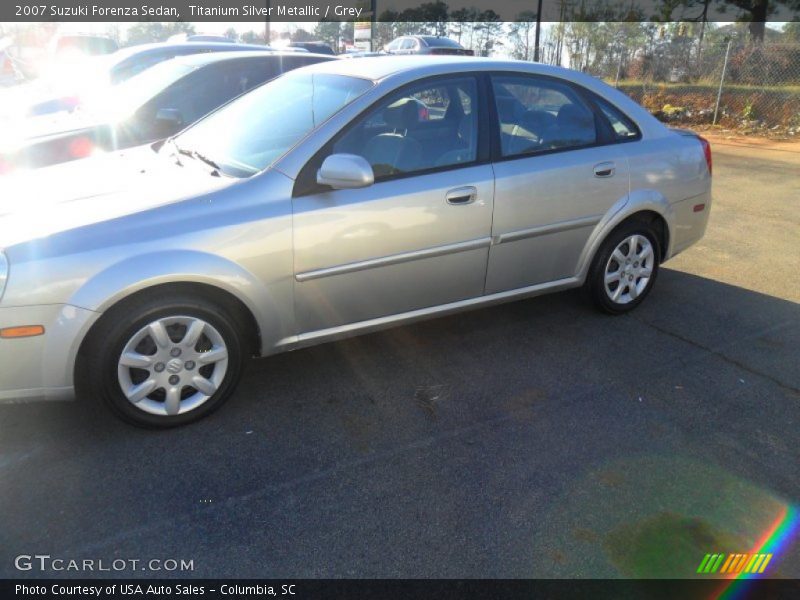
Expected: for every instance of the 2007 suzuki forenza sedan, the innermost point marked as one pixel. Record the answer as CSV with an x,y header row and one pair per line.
x,y
336,199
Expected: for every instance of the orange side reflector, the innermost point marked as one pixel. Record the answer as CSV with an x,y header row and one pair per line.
x,y
22,331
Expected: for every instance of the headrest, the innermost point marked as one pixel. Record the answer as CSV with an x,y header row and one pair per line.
x,y
507,108
402,114
573,115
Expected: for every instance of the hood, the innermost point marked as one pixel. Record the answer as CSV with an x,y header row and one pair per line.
x,y
41,202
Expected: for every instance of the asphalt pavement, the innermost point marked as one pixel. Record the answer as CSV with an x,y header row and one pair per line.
x,y
533,439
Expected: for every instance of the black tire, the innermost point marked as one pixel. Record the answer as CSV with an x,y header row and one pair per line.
x,y
100,356
595,281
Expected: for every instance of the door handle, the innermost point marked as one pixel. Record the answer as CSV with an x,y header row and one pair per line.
x,y
462,195
604,169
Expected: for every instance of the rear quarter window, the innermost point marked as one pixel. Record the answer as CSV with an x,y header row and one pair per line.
x,y
623,127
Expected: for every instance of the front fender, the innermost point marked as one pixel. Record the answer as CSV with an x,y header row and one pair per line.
x,y
637,201
136,273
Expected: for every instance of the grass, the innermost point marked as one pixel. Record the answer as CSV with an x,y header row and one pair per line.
x,y
706,87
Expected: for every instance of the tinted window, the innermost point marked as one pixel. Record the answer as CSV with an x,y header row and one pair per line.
x,y
211,86
623,127
418,129
537,115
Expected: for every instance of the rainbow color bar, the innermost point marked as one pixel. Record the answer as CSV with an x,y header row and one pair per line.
x,y
774,541
735,563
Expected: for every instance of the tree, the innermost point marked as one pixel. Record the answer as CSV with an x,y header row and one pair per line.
x,y
462,21
521,33
329,32
254,37
301,35
792,31
151,31
231,34
489,29
434,17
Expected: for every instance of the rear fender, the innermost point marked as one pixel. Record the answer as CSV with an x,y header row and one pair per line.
x,y
636,202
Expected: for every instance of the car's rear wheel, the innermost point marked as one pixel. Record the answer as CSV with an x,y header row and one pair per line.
x,y
625,267
163,362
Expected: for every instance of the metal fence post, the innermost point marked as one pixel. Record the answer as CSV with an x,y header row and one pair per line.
x,y
721,81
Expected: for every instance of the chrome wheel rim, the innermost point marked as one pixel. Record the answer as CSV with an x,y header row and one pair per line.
x,y
629,269
172,365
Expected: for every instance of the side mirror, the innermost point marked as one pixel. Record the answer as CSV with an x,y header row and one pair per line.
x,y
169,117
345,171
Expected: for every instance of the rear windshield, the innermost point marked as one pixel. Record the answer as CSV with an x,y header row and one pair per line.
x,y
441,42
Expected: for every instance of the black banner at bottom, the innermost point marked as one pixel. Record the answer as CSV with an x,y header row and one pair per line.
x,y
406,589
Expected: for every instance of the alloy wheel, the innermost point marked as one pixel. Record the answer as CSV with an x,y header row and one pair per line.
x,y
629,269
172,365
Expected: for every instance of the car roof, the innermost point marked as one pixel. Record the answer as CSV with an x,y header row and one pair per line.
x,y
143,49
203,59
380,67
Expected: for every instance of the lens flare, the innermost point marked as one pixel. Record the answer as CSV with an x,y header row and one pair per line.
x,y
775,540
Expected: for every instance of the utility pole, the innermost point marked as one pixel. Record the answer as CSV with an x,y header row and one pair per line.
x,y
538,31
267,36
721,81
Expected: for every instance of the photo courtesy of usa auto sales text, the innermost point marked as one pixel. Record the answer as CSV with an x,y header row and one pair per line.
x,y
151,591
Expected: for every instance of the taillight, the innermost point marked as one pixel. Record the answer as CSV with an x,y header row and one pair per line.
x,y
706,151
80,147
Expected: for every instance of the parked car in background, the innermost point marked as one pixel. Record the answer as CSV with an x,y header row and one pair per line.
x,y
426,44
65,88
82,45
9,72
315,47
322,205
199,37
150,106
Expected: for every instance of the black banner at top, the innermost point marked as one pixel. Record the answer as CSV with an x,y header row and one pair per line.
x,y
398,10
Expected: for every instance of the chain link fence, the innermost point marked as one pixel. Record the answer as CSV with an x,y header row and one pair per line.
x,y
744,86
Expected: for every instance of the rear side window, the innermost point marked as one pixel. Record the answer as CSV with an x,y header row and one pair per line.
x,y
538,115
624,128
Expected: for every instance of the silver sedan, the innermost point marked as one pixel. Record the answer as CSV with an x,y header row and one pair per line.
x,y
337,199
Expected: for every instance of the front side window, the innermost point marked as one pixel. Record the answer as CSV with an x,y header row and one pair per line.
x,y
429,126
249,134
538,115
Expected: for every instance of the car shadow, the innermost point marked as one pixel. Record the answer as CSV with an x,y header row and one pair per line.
x,y
518,401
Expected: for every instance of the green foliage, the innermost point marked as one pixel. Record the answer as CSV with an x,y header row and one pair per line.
x,y
231,34
145,33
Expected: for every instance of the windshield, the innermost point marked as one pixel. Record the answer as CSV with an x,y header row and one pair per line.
x,y
124,99
252,132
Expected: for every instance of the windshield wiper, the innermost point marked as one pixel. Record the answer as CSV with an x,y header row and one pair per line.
x,y
200,157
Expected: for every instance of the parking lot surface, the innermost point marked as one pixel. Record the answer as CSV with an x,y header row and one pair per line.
x,y
533,439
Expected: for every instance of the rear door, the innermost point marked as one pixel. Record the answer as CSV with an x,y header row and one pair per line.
x,y
557,173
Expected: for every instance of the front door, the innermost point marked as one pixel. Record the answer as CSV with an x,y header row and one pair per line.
x,y
419,236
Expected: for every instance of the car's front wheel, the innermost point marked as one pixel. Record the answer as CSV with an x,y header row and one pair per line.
x,y
163,362
625,268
